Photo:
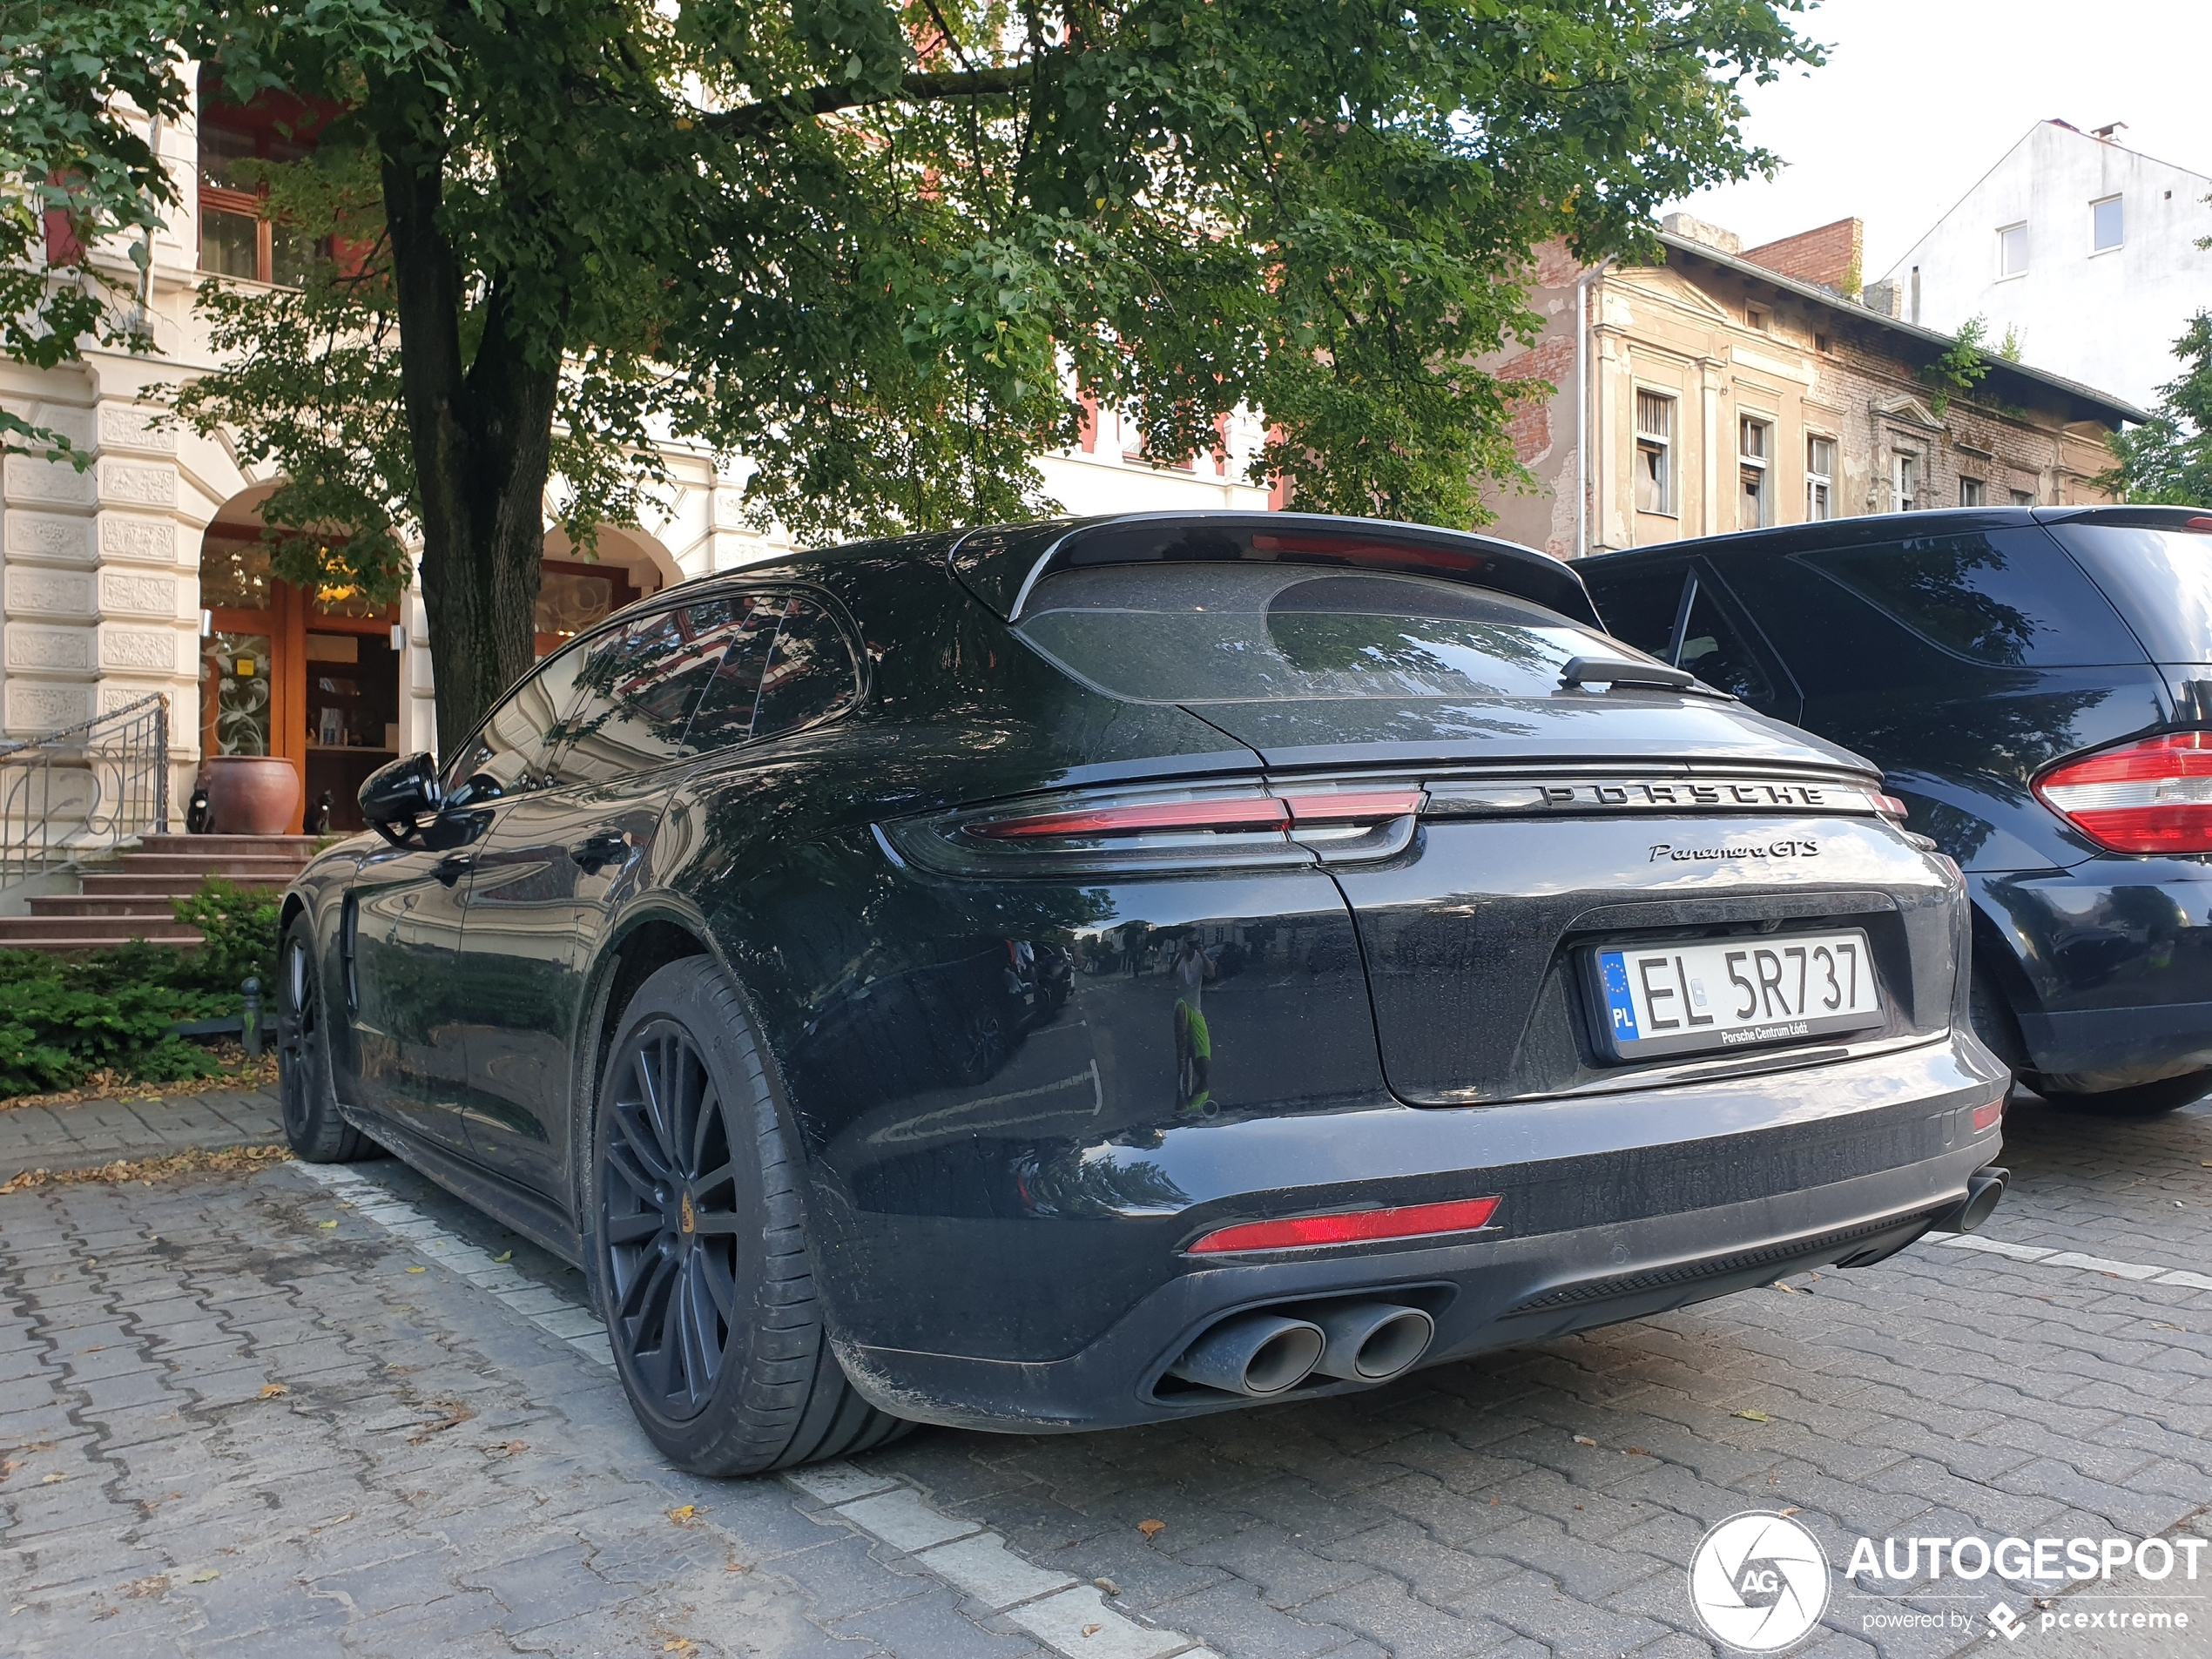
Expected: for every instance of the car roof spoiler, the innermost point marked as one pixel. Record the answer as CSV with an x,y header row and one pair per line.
x,y
1002,565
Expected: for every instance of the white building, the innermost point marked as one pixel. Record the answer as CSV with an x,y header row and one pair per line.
x,y
146,574
2087,249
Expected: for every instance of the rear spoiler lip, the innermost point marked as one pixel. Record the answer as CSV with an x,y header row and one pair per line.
x,y
988,574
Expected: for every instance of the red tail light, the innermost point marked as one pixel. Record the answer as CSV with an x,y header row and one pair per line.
x,y
1349,1227
2149,797
1890,806
1218,812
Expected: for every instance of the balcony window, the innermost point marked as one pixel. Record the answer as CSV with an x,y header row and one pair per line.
x,y
1655,452
1820,479
1754,440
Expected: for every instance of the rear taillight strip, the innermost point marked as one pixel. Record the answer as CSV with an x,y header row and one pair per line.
x,y
2153,796
1232,812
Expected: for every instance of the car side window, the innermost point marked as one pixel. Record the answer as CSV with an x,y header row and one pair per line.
x,y
2011,599
511,749
790,667
810,675
1714,647
1641,607
639,685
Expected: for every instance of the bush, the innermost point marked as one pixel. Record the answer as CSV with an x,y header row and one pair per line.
x,y
63,1017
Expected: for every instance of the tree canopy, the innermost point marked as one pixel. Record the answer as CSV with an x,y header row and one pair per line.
x,y
2169,458
876,247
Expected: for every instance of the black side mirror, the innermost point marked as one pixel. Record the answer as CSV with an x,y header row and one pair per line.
x,y
394,797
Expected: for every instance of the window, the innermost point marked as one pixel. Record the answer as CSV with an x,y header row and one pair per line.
x,y
1756,318
1714,649
2011,598
790,667
1916,293
1820,479
237,238
1655,452
1904,481
1820,342
638,685
1970,492
509,752
1752,440
2012,251
1640,606
2107,225
2023,498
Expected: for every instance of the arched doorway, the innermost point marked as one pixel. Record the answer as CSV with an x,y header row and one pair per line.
x,y
312,677
574,592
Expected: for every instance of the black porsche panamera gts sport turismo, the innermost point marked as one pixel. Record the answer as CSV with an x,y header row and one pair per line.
x,y
1084,973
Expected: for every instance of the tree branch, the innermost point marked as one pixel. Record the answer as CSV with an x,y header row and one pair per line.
x,y
921,87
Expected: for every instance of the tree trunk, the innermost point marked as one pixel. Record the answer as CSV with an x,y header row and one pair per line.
x,y
482,434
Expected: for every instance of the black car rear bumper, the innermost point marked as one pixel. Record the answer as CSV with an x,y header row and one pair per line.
x,y
2116,960
1616,1207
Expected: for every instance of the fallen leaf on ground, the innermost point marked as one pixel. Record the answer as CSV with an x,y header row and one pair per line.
x,y
326,1225
1108,1585
1093,1629
456,1412
679,1644
1792,1510
1787,1290
1584,1440
1152,1528
1636,1451
685,1515
192,1161
418,1269
1754,1417
49,1480
1494,1502
273,1390
205,1576
504,1255
739,1567
157,1585
513,1448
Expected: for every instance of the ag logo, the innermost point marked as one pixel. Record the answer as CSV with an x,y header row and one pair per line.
x,y
1759,1582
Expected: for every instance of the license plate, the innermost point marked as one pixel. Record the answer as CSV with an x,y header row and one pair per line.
x,y
1731,994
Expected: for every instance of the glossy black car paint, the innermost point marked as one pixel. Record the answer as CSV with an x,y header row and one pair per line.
x,y
1002,1242
2104,959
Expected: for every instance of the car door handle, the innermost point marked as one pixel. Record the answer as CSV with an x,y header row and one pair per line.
x,y
608,846
450,868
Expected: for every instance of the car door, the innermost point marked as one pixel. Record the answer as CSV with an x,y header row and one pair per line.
x,y
404,917
559,860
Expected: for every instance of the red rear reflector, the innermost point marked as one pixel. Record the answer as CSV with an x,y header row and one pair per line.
x,y
1351,1227
1239,813
2149,797
1349,805
1989,1116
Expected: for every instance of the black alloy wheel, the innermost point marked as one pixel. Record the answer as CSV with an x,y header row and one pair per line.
x,y
312,1125
669,1215
698,1253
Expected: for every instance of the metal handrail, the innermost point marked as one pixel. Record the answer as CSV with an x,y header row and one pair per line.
x,y
111,774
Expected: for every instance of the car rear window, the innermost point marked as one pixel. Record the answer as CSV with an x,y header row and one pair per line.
x,y
2008,597
2162,580
1207,633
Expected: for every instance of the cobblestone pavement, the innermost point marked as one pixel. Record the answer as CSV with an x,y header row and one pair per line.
x,y
95,1132
242,1416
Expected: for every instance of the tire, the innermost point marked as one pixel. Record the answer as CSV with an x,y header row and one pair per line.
x,y
707,1285
2137,1100
1991,1018
313,1127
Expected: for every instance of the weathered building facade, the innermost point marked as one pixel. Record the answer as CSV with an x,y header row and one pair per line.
x,y
1711,393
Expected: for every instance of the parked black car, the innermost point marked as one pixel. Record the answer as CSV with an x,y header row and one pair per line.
x,y
1452,979
2036,682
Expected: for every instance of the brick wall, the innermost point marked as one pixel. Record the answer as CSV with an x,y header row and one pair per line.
x,y
1830,256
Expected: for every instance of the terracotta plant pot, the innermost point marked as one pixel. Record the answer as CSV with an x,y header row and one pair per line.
x,y
251,794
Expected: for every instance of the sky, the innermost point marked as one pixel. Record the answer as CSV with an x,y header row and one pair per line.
x,y
1921,98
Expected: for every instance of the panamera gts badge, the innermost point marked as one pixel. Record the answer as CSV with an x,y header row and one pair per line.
x,y
1791,849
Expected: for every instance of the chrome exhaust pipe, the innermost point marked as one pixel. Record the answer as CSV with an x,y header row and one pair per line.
x,y
1371,1342
1257,1354
1983,1188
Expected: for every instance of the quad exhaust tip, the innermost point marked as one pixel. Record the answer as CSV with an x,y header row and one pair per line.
x,y
1268,1352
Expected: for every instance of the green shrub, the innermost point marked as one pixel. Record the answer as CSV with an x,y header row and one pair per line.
x,y
63,1017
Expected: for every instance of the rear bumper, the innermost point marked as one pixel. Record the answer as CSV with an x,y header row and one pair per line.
x,y
1616,1207
2115,955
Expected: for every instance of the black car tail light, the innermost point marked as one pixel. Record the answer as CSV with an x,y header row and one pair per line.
x,y
2153,796
1234,826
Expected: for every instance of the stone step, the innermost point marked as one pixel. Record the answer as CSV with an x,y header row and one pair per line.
x,y
155,905
175,884
276,871
234,845
90,933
